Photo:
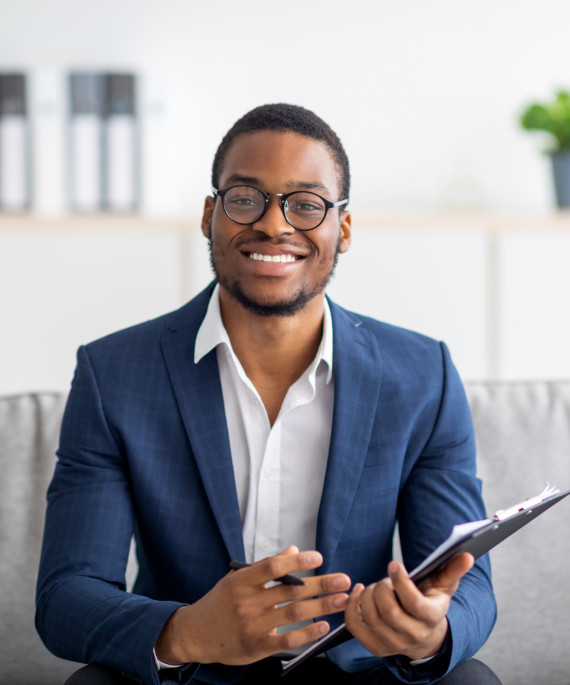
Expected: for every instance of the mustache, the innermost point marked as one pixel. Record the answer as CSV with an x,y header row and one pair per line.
x,y
265,239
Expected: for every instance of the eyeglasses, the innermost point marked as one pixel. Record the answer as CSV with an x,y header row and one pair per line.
x,y
302,209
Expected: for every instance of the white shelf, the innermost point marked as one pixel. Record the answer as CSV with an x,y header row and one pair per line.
x,y
496,288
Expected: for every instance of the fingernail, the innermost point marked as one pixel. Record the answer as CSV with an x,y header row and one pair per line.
x,y
340,583
340,601
393,567
313,558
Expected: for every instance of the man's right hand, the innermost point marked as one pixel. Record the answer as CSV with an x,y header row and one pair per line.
x,y
236,622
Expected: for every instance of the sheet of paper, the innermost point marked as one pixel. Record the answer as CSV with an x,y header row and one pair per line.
x,y
458,533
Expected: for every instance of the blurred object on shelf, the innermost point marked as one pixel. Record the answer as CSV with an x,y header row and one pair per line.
x,y
553,118
121,145
15,191
86,94
103,142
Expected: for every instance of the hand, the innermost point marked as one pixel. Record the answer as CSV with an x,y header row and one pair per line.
x,y
394,616
236,621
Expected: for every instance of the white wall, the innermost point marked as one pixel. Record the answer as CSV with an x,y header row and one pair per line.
x,y
497,290
62,287
425,95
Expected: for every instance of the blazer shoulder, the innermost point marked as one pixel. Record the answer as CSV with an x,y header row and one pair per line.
x,y
387,336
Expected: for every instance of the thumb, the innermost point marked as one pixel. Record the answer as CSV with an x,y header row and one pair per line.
x,y
447,579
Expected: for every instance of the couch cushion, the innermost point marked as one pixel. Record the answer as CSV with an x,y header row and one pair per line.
x,y
29,427
523,437
523,441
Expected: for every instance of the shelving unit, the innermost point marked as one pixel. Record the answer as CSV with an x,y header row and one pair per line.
x,y
495,288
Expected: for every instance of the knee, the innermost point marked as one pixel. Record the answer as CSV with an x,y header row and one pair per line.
x,y
472,672
100,675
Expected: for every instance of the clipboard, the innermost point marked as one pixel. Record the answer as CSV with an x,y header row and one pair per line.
x,y
475,537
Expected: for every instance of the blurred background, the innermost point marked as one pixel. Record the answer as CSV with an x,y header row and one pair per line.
x,y
456,230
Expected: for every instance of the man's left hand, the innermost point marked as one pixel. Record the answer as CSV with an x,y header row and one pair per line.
x,y
394,616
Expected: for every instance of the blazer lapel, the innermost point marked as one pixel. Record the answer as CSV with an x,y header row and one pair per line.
x,y
198,392
357,379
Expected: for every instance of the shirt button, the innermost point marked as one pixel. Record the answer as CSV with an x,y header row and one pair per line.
x,y
269,473
265,545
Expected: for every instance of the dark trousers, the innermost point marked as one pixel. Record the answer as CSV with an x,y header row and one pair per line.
x,y
315,672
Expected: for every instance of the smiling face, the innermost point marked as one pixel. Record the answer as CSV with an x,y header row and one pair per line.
x,y
269,267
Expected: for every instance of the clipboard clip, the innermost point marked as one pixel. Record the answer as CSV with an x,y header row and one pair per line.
x,y
503,514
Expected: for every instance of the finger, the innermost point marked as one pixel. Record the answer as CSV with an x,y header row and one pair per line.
x,y
352,611
370,631
381,605
306,610
411,600
401,582
385,623
314,585
299,637
292,549
396,604
447,579
279,565
289,561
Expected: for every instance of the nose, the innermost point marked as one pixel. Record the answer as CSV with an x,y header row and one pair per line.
x,y
273,222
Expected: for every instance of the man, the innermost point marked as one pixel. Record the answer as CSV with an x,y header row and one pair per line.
x,y
263,423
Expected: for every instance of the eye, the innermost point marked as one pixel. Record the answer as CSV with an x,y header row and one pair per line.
x,y
242,201
305,202
244,198
308,207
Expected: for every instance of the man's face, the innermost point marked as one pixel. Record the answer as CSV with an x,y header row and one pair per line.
x,y
276,162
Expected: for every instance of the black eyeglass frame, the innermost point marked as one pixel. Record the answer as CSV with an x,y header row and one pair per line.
x,y
328,204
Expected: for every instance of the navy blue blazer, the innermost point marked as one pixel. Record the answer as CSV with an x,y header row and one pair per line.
x,y
144,450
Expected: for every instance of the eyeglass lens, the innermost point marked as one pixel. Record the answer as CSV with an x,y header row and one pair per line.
x,y
245,205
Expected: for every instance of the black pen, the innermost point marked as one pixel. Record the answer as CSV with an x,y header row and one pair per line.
x,y
286,580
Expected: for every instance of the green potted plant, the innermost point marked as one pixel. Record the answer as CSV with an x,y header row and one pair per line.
x,y
554,118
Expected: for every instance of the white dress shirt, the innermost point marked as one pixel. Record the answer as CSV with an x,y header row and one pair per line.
x,y
279,470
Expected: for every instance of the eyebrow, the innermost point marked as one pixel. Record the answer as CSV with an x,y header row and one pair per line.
x,y
291,185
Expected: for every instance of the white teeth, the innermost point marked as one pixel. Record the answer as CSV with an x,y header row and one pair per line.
x,y
283,258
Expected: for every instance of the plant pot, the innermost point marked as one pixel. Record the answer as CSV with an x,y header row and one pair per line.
x,y
561,173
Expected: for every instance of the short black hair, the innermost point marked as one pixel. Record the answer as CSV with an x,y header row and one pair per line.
x,y
283,117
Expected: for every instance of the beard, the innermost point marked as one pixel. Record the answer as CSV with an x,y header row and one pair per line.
x,y
285,307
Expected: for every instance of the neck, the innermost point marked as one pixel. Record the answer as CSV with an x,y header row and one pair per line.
x,y
274,351
273,342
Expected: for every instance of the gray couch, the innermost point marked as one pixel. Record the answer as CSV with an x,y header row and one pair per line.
x,y
523,435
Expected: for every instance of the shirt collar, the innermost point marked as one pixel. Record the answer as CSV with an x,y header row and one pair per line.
x,y
212,333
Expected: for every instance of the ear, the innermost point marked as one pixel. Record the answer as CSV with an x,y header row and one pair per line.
x,y
209,204
345,231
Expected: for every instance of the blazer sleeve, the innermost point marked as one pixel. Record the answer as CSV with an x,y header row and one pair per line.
x,y
83,611
444,481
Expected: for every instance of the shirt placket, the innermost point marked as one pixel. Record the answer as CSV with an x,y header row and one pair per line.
x,y
268,496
